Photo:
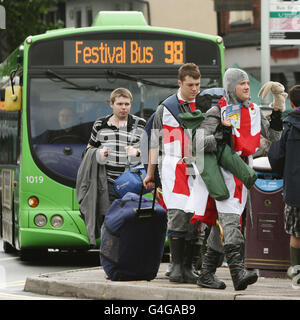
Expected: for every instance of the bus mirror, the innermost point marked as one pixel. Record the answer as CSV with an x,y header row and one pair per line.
x,y
13,98
2,98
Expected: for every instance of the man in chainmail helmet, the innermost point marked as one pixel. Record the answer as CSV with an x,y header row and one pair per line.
x,y
245,131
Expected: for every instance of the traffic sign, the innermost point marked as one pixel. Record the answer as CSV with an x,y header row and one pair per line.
x,y
284,21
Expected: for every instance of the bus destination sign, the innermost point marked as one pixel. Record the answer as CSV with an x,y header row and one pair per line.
x,y
123,52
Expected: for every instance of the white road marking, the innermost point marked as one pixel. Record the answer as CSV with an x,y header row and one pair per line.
x,y
23,297
12,284
10,258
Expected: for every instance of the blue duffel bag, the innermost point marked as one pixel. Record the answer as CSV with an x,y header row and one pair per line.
x,y
133,238
130,180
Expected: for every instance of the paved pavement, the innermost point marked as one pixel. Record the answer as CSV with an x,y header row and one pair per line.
x,y
91,283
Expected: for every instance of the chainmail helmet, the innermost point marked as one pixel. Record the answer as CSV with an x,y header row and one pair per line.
x,y
232,77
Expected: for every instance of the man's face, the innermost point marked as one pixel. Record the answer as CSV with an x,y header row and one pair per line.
x,y
65,118
189,88
121,107
242,90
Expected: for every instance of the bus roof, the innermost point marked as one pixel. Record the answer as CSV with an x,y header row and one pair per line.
x,y
121,18
117,20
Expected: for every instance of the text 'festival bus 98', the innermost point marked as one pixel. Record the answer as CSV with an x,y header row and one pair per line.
x,y
75,70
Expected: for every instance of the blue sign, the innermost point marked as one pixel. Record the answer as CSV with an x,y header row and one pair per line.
x,y
269,185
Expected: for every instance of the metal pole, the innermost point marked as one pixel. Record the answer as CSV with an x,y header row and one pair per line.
x,y
265,44
2,18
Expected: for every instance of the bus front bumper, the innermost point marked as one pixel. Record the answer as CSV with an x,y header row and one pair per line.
x,y
54,239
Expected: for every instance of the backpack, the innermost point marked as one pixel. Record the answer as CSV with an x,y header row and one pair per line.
x,y
209,97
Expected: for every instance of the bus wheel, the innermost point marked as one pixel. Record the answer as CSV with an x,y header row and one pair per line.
x,y
8,248
32,254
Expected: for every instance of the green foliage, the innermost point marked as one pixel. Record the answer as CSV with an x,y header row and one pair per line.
x,y
24,18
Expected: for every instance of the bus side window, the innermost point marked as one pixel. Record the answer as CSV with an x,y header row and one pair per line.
x,y
9,137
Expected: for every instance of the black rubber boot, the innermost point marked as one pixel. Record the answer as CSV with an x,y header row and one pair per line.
x,y
170,265
177,247
207,278
188,270
241,277
197,261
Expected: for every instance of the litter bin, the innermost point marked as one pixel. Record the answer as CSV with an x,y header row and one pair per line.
x,y
267,243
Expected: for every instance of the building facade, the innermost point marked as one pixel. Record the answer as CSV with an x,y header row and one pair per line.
x,y
190,15
240,26
81,13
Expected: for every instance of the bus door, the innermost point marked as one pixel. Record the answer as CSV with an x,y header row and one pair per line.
x,y
9,168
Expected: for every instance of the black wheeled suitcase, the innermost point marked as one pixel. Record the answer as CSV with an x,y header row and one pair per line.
x,y
133,238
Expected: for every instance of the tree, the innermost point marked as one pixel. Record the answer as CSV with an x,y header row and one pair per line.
x,y
24,18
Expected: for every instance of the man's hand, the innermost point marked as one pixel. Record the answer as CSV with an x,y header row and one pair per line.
x,y
149,182
131,151
226,122
101,155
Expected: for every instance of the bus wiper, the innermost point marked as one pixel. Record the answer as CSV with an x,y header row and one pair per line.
x,y
74,85
123,75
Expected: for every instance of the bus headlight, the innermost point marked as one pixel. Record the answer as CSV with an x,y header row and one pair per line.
x,y
57,221
40,220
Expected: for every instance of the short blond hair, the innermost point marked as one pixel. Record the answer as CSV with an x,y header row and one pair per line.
x,y
120,92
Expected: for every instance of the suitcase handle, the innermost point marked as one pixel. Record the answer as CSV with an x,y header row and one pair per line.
x,y
148,211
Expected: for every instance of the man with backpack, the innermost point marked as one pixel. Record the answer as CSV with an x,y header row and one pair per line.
x,y
175,172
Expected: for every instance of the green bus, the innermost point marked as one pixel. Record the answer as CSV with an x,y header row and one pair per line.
x,y
76,69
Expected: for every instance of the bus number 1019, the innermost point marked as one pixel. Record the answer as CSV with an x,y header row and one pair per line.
x,y
174,52
34,179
